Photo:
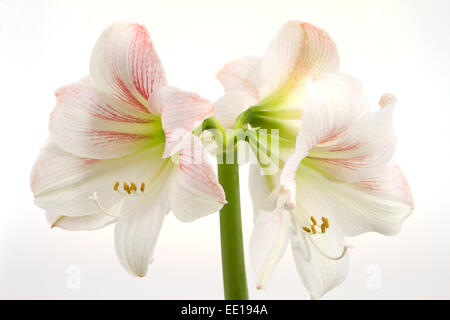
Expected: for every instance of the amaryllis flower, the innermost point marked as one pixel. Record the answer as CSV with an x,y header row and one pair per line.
x,y
108,160
341,181
346,182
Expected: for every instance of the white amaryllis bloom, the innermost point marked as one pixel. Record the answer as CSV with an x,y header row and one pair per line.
x,y
108,156
348,178
341,181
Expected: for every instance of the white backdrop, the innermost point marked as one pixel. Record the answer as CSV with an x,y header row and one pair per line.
x,y
401,47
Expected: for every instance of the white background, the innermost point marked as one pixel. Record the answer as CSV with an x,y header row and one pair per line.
x,y
401,47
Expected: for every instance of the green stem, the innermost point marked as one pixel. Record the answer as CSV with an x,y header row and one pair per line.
x,y
233,264
243,119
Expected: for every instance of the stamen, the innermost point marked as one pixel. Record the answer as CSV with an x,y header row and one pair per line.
x,y
323,226
307,229
326,222
129,189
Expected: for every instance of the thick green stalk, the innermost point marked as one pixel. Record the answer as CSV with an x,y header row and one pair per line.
x,y
233,264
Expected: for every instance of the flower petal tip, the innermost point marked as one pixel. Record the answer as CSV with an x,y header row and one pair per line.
x,y
387,99
139,273
55,223
291,205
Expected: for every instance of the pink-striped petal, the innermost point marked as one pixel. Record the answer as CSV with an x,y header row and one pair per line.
x,y
363,149
338,133
181,112
90,123
124,63
333,105
380,203
242,75
299,51
390,183
196,192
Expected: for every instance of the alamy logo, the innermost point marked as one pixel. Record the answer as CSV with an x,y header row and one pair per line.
x,y
373,280
73,281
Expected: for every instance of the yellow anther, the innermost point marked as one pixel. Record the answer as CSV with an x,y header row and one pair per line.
x,y
126,187
307,229
326,222
323,228
116,186
133,186
313,220
313,229
142,187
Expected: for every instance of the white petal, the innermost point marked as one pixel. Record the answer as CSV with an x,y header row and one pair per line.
x,y
242,75
321,259
391,183
196,192
62,182
319,273
125,64
89,222
181,112
339,133
231,105
89,123
136,234
334,103
259,188
298,51
378,204
361,151
269,240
